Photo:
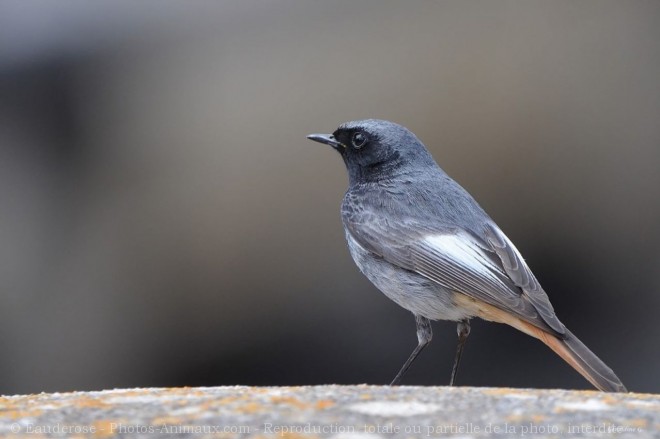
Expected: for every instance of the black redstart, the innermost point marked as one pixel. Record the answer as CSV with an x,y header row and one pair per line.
x,y
423,241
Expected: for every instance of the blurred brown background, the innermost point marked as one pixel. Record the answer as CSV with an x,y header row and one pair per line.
x,y
165,222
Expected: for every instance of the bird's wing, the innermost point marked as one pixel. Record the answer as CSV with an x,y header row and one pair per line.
x,y
519,272
489,269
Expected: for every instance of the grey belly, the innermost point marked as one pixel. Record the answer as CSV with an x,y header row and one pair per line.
x,y
409,290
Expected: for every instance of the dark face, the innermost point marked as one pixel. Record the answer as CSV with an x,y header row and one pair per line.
x,y
374,149
363,147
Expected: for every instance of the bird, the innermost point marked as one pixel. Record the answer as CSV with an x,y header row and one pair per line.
x,y
426,244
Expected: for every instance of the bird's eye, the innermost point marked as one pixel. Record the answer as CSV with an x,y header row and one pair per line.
x,y
359,139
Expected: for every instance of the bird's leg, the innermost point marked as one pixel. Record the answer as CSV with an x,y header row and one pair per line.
x,y
463,330
424,335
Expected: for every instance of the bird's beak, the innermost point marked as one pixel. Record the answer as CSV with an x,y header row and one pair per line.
x,y
328,139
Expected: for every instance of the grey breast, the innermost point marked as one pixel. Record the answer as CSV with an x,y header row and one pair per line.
x,y
408,289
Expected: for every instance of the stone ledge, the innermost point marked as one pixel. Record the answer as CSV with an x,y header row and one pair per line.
x,y
340,412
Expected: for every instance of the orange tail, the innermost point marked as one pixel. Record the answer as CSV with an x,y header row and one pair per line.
x,y
575,353
571,349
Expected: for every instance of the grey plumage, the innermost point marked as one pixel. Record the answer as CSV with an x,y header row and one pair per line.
x,y
427,245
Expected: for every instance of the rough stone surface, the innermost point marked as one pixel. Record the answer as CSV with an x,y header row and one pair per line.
x,y
340,412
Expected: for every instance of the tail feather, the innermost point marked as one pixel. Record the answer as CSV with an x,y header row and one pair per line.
x,y
575,353
569,348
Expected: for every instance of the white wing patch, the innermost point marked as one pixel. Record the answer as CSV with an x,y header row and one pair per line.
x,y
465,252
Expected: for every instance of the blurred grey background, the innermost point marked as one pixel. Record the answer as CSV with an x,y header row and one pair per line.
x,y
165,222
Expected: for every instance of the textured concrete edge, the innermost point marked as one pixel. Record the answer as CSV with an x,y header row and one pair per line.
x,y
259,389
331,411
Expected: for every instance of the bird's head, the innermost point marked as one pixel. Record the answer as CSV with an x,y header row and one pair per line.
x,y
377,149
